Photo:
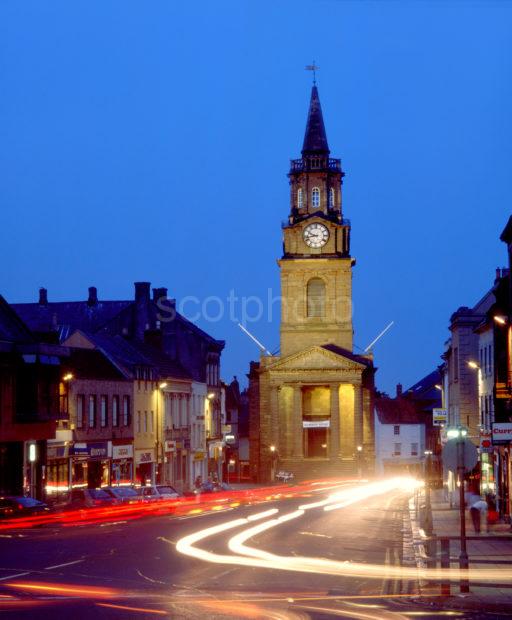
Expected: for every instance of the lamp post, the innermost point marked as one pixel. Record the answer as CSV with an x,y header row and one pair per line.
x,y
162,385
428,505
359,458
273,456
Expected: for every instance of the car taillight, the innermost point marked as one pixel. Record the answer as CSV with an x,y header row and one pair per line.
x,y
20,506
97,502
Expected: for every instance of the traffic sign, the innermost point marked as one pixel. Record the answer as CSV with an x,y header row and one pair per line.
x,y
450,454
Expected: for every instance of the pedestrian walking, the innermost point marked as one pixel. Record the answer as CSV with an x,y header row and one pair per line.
x,y
478,512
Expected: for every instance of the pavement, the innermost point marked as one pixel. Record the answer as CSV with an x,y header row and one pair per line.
x,y
490,549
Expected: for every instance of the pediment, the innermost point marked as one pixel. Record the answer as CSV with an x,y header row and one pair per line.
x,y
316,358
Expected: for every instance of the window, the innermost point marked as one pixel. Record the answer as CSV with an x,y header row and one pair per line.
x,y
414,449
139,422
92,411
397,450
115,411
145,421
126,410
80,411
396,429
331,197
300,198
315,197
316,298
152,422
103,411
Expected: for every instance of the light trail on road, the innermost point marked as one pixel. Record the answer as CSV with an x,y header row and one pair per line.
x,y
252,556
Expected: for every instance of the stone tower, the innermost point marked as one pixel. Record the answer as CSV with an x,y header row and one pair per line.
x,y
311,409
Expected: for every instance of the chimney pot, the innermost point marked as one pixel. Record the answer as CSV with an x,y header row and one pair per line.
x,y
93,296
43,297
399,389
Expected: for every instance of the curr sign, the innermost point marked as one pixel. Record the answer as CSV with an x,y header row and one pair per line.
x,y
501,433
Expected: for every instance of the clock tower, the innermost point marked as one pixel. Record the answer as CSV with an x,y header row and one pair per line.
x,y
316,266
310,407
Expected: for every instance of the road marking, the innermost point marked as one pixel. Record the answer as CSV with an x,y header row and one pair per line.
x,y
13,576
62,565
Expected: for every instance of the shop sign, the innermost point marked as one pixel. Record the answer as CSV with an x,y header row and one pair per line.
x,y
316,423
199,456
501,433
485,441
226,428
94,450
122,452
57,452
439,416
144,456
170,446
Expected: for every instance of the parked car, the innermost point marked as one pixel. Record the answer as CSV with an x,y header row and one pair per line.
x,y
126,495
210,487
19,506
90,498
157,493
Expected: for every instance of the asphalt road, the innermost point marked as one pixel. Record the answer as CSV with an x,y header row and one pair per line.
x,y
135,570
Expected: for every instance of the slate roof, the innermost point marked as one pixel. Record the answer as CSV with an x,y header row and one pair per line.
x,y
132,354
91,364
315,138
69,316
425,389
12,328
397,411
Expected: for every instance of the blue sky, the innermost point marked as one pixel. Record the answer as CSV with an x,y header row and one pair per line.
x,y
151,141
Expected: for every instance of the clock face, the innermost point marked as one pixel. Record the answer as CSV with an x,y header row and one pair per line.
x,y
316,235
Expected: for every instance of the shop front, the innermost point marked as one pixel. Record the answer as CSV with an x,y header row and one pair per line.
x,y
122,464
57,483
215,459
91,463
145,466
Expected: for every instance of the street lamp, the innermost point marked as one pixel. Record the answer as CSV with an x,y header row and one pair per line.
x,y
68,376
428,505
500,319
159,447
459,433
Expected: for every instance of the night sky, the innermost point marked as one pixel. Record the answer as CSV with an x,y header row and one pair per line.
x,y
151,141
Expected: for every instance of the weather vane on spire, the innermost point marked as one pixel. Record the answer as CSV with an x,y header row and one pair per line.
x,y
314,67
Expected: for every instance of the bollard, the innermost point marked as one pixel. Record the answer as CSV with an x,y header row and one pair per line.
x,y
445,563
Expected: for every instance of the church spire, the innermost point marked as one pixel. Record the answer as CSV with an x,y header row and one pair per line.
x,y
315,138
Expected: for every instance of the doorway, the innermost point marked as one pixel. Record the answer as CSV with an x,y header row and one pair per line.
x,y
316,442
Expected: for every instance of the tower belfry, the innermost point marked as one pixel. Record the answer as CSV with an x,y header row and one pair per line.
x,y
312,403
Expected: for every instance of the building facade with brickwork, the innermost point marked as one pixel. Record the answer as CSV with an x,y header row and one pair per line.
x,y
311,405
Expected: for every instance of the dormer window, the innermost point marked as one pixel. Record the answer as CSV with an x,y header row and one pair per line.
x,y
300,198
315,197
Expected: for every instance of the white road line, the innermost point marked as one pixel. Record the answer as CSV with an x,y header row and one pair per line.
x,y
14,576
62,565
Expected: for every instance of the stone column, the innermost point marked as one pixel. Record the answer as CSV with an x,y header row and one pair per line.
x,y
358,415
274,415
297,443
335,421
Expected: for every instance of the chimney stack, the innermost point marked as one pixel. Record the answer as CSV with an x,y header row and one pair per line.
x,y
142,291
142,299
43,297
159,293
93,296
399,390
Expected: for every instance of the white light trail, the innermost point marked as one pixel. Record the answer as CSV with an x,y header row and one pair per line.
x,y
251,556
